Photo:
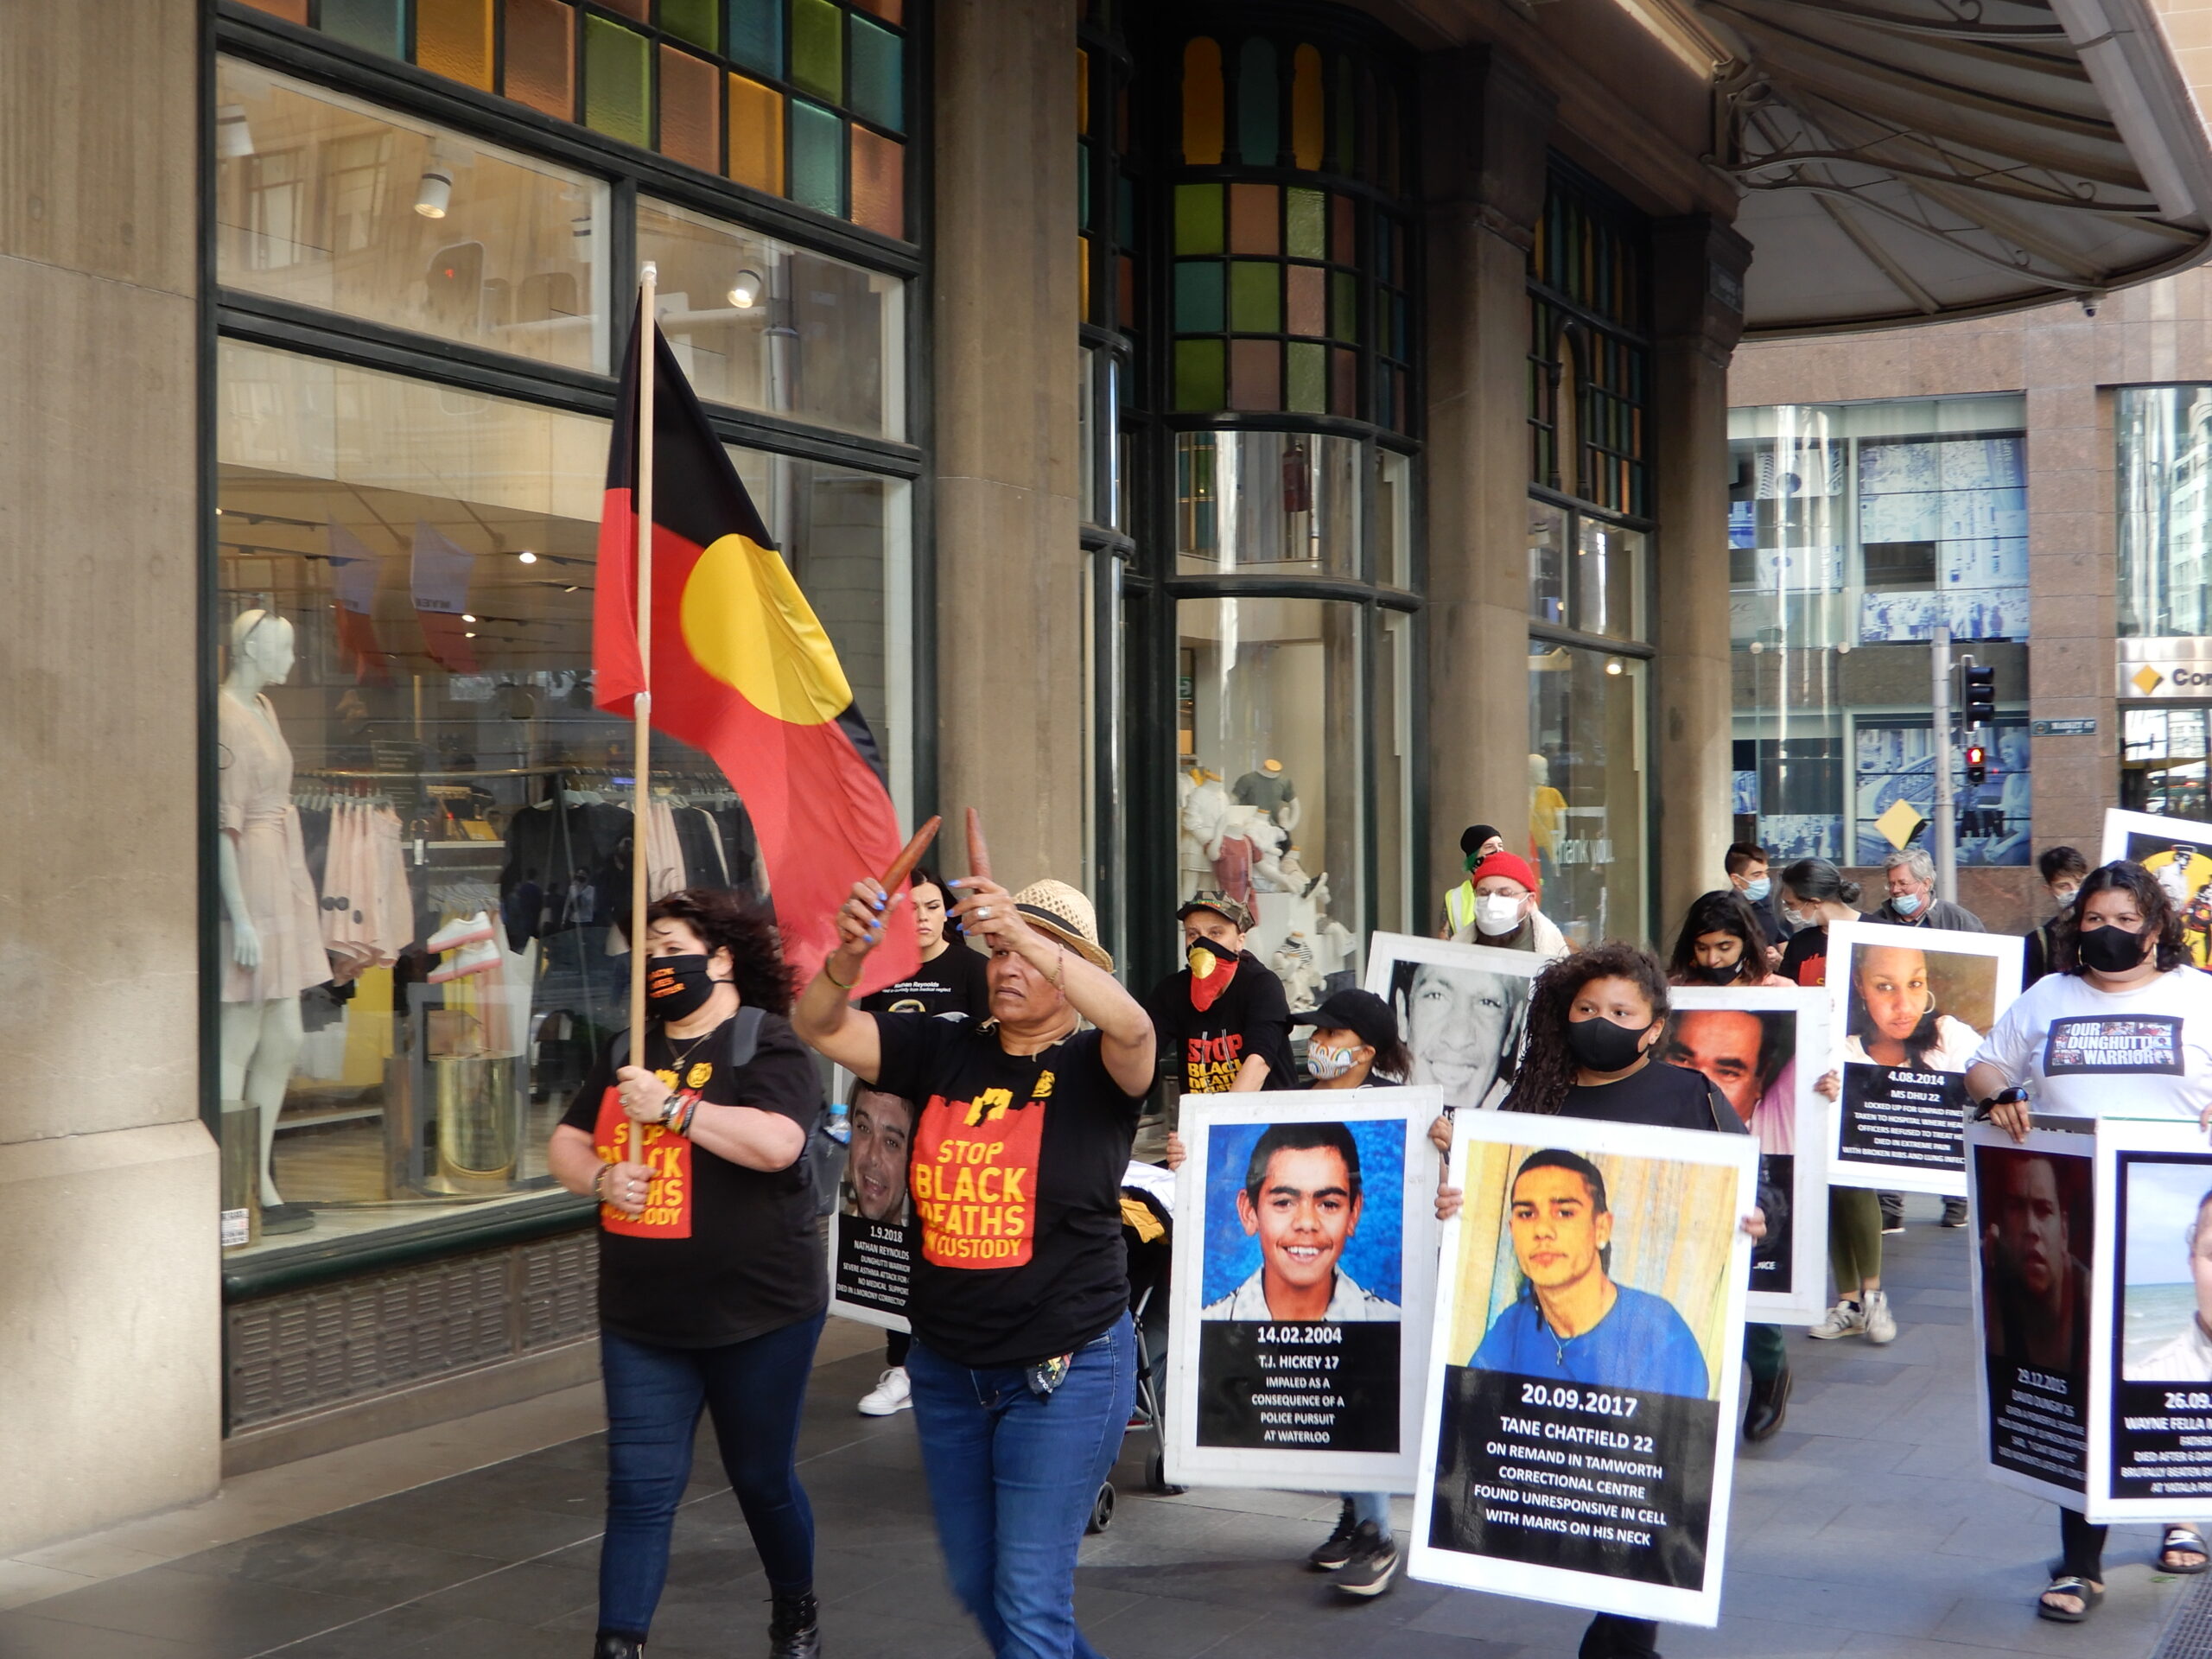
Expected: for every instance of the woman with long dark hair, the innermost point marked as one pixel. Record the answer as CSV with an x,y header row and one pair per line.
x,y
1595,1023
1893,1019
711,1284
2119,963
1721,943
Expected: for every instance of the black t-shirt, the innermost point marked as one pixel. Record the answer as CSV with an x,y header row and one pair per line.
x,y
1664,1097
955,982
1252,1016
1016,1174
1805,961
722,1253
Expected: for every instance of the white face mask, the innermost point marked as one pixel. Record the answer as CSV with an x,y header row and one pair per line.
x,y
1793,916
1497,913
1327,1064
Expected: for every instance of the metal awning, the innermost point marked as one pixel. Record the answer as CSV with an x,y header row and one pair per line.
x,y
1903,159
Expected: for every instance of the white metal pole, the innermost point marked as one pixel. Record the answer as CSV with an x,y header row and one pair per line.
x,y
1947,820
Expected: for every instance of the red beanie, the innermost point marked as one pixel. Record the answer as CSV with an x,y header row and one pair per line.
x,y
1510,865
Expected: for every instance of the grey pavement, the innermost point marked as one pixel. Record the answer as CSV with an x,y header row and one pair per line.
x,y
1866,1528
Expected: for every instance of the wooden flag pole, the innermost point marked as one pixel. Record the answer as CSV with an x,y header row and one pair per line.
x,y
642,707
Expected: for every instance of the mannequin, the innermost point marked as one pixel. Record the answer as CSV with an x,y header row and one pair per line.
x,y
1271,790
1202,805
1546,807
272,943
1301,980
1251,823
1237,846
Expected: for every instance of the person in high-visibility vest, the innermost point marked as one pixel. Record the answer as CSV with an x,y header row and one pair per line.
x,y
1505,914
1477,842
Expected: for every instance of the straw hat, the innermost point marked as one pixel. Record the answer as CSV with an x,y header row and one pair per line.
x,y
1060,913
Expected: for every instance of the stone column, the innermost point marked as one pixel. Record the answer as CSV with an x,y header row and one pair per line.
x,y
111,1323
1698,316
1009,571
1487,124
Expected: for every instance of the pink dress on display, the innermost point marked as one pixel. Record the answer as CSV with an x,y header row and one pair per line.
x,y
254,808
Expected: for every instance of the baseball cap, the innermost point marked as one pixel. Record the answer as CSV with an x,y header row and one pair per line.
x,y
1364,1014
1221,905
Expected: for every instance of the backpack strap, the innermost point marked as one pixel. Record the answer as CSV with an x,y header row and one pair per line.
x,y
744,1036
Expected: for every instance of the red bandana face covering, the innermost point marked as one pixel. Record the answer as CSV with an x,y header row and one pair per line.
x,y
1209,976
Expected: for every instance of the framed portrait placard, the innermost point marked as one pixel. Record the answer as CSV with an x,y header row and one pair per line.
x,y
1908,1007
2178,852
1579,1427
2032,1205
873,1233
1765,1048
2150,1440
1305,1253
1461,1008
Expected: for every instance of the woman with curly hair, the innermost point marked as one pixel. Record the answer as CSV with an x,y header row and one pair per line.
x,y
711,1284
2122,1025
1595,1023
1721,943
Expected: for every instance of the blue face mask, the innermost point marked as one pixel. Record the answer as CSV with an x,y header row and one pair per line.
x,y
1908,904
1757,891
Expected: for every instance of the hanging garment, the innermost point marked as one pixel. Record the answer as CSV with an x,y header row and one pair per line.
x,y
254,808
665,869
1232,868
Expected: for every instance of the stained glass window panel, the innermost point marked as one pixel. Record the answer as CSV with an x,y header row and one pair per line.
x,y
879,92
818,49
879,183
1304,237
1254,374
1198,307
1306,124
1259,105
541,56
1203,117
618,93
1307,384
1252,224
1255,297
690,109
1305,304
756,35
817,158
1200,375
452,38
1198,219
756,135
372,25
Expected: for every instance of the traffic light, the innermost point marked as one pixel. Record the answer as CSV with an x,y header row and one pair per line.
x,y
1977,762
1980,694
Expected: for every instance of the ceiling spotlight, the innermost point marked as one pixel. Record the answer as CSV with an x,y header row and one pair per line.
x,y
1613,667
233,138
571,590
466,617
745,292
527,557
436,194
471,634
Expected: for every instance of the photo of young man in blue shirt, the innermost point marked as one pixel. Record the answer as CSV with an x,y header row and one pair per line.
x,y
1572,1323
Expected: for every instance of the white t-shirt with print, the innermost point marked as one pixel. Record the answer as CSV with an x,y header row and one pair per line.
x,y
2082,1052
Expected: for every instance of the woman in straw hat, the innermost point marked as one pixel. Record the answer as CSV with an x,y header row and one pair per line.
x,y
1023,1366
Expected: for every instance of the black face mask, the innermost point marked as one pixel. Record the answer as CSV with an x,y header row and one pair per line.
x,y
1723,974
676,986
2109,949
1600,1046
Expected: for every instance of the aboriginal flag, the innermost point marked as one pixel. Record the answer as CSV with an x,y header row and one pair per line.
x,y
742,670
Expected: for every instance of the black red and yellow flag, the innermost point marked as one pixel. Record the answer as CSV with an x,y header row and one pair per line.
x,y
742,670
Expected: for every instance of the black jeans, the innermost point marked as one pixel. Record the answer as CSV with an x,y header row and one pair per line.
x,y
1611,1636
2081,1547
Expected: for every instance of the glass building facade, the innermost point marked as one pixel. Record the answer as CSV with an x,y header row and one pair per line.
x,y
2164,493
1856,531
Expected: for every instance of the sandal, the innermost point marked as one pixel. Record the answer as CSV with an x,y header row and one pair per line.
x,y
2068,1584
2186,1541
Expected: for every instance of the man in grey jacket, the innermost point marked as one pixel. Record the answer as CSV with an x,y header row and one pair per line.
x,y
1912,901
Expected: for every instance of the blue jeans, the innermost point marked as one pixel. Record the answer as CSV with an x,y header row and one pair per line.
x,y
1012,1478
1370,1506
755,1390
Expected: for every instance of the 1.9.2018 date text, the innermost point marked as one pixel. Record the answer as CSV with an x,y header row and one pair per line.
x,y
1622,1406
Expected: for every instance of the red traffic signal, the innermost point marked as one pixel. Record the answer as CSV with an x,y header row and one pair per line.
x,y
1977,763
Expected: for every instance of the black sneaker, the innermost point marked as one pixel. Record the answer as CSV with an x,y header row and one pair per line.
x,y
1374,1562
614,1644
1336,1550
794,1631
1954,1212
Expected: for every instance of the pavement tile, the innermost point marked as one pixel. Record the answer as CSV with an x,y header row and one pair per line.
x,y
207,1614
26,1635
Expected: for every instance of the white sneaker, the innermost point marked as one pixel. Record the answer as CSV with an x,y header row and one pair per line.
x,y
1845,1318
890,1396
476,958
1881,1324
462,930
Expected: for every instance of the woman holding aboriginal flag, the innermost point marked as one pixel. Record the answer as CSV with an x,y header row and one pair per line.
x,y
712,1288
1023,1366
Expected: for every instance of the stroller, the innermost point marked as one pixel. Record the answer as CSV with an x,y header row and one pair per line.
x,y
1148,1232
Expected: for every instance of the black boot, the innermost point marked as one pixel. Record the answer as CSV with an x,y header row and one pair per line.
x,y
794,1630
1770,1405
614,1644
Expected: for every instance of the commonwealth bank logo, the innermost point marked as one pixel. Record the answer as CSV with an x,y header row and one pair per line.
x,y
2147,679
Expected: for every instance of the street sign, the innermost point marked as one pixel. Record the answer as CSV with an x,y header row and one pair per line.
x,y
2063,728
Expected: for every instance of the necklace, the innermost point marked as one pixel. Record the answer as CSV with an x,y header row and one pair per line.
x,y
683,1060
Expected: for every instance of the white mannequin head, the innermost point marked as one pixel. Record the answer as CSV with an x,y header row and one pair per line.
x,y
1540,771
261,649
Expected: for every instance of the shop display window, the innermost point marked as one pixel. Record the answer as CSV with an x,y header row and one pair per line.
x,y
2163,761
323,201
423,832
1267,504
1587,789
1270,782
760,324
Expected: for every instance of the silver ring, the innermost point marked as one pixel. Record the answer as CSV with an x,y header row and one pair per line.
x,y
984,912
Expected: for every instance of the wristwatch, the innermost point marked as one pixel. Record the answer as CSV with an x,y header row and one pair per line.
x,y
2013,1096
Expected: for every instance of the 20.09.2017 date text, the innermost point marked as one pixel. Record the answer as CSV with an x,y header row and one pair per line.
x,y
1622,1406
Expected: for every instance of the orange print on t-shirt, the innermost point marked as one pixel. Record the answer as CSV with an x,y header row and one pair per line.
x,y
667,1213
974,1180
